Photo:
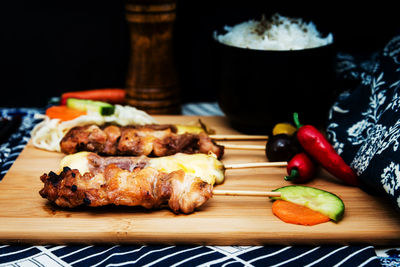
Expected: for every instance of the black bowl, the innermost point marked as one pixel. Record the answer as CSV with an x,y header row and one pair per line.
x,y
259,88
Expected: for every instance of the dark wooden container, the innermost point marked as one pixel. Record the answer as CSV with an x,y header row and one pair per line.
x,y
152,83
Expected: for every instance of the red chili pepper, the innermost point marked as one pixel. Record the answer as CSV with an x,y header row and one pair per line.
x,y
300,169
319,148
109,95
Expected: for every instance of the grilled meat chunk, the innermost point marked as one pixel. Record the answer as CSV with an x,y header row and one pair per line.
x,y
149,140
207,167
146,187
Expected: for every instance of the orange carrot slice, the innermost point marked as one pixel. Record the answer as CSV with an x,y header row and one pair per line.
x,y
296,214
109,95
63,113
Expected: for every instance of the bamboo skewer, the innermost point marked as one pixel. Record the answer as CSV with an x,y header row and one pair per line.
x,y
226,137
256,165
240,138
250,147
220,192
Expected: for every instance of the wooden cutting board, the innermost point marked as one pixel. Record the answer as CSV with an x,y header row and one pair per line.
x,y
224,220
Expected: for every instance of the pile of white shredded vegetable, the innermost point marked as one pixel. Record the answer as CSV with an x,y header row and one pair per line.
x,y
48,133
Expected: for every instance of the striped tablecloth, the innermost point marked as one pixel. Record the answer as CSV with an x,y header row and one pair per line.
x,y
122,255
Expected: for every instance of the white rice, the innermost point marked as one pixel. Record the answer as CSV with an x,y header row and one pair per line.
x,y
278,33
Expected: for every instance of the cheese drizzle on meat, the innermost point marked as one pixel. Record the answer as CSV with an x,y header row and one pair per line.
x,y
126,181
148,140
206,167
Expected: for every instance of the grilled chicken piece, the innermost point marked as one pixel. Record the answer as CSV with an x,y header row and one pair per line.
x,y
206,167
145,187
153,140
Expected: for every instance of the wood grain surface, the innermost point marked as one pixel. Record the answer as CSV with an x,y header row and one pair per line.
x,y
152,82
224,220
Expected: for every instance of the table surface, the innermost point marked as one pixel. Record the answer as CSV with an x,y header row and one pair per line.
x,y
223,220
102,255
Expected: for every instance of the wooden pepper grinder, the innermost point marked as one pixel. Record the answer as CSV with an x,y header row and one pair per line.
x,y
152,83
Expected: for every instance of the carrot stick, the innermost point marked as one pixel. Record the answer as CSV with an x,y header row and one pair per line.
x,y
297,214
63,113
109,95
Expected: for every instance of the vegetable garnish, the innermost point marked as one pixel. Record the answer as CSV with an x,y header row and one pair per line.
x,y
300,169
63,113
319,148
281,147
316,199
297,214
100,107
48,133
284,128
109,95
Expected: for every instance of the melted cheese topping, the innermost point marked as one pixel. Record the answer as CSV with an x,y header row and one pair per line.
x,y
77,161
206,167
181,129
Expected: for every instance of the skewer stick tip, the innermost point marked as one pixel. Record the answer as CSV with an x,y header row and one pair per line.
x,y
226,137
256,165
220,192
244,147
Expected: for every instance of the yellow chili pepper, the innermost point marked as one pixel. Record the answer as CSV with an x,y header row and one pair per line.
x,y
284,128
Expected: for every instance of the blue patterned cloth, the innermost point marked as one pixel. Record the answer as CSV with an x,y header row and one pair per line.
x,y
87,255
364,123
10,150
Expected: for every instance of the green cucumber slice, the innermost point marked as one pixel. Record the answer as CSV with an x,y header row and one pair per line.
x,y
316,199
97,106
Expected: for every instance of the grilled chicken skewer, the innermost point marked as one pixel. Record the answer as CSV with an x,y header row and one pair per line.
x,y
156,140
94,181
144,187
208,167
86,178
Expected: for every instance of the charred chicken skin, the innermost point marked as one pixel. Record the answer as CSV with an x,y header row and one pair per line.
x,y
144,187
85,178
148,140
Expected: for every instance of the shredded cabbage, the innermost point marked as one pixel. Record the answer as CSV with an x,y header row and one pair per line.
x,y
48,133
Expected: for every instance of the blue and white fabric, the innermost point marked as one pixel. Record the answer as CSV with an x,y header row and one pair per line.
x,y
186,256
124,255
10,150
364,123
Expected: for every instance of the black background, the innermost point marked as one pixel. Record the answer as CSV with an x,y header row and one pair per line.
x,y
49,47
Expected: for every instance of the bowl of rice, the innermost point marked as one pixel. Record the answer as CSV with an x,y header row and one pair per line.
x,y
267,69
